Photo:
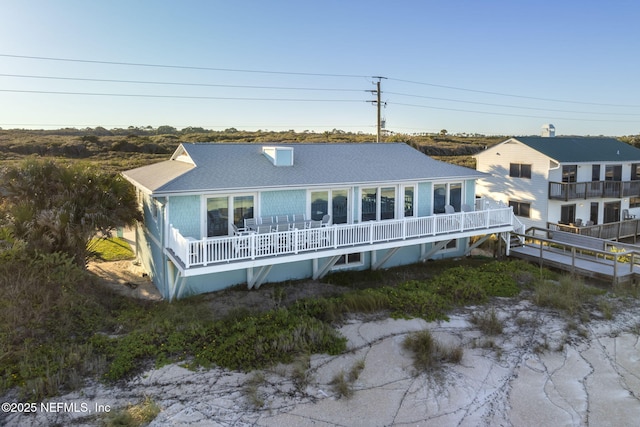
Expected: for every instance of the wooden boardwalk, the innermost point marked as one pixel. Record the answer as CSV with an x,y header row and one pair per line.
x,y
605,265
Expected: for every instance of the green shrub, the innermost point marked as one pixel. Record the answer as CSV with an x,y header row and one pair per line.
x,y
428,353
488,322
567,294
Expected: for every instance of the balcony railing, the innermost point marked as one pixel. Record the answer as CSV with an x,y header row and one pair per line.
x,y
593,190
203,252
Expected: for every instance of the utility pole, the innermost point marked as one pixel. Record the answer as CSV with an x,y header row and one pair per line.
x,y
378,103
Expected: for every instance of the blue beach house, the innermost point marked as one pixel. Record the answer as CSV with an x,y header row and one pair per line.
x,y
218,215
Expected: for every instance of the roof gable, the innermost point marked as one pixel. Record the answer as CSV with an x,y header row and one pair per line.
x,y
240,167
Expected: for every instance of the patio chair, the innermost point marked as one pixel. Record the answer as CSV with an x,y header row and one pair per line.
x,y
298,217
250,223
326,219
266,220
282,219
448,209
262,229
466,208
281,227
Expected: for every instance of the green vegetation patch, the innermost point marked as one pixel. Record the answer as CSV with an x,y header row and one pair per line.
x,y
567,294
57,327
428,353
111,249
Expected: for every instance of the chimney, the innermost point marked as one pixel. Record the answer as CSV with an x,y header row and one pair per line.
x,y
548,131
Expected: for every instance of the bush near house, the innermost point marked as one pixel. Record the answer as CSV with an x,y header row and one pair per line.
x,y
57,327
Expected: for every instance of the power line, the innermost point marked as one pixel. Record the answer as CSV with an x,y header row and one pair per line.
x,y
510,114
317,75
229,98
82,79
510,106
183,67
512,95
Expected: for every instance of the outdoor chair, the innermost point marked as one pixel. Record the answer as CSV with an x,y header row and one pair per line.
x,y
448,209
282,219
262,229
626,215
326,219
250,223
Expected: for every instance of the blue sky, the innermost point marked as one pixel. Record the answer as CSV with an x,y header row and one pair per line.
x,y
490,67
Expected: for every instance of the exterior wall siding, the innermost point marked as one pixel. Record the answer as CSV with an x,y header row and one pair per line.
x,y
503,188
151,256
185,215
285,202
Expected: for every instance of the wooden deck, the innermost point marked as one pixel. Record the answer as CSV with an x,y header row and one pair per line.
x,y
609,264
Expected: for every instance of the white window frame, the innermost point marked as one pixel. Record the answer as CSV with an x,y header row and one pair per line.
x,y
330,191
398,210
415,200
447,194
230,197
351,264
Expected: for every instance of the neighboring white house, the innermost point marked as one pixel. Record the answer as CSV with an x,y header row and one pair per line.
x,y
562,180
216,215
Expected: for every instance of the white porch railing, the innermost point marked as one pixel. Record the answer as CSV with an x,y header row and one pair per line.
x,y
213,250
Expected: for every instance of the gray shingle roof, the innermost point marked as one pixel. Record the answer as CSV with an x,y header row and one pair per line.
x,y
582,149
243,166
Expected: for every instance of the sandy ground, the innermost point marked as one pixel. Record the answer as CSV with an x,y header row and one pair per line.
x,y
540,371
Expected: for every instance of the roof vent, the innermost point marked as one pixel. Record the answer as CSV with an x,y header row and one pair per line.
x,y
279,156
548,131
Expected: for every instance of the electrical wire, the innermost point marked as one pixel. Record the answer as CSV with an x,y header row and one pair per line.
x,y
182,67
176,96
512,95
510,114
82,79
510,106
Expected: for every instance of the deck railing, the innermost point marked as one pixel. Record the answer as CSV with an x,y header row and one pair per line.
x,y
203,252
612,230
593,189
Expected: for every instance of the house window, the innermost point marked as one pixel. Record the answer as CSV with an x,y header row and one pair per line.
x,y
387,203
595,172
447,194
349,260
635,172
222,211
519,170
569,173
634,202
568,214
153,207
521,208
613,173
409,201
333,202
378,203
319,204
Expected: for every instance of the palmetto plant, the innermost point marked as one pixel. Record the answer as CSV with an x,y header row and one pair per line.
x,y
60,207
